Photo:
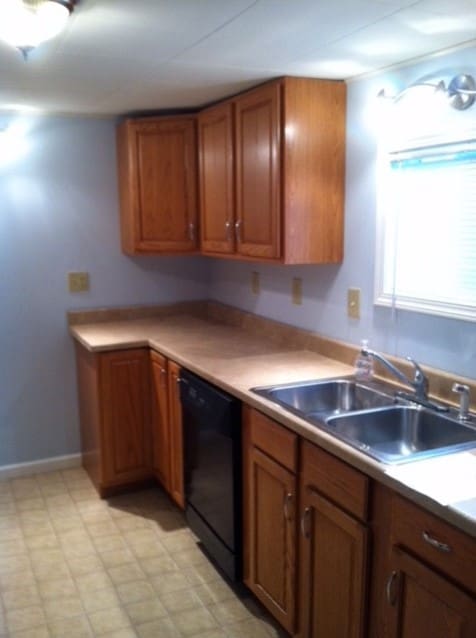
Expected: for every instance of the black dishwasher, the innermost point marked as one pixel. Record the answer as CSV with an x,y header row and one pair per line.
x,y
212,449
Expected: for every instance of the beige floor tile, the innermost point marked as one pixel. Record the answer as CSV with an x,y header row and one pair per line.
x,y
83,494
30,504
35,632
214,592
158,565
190,557
180,600
24,488
126,573
126,632
99,599
45,556
116,557
23,597
93,581
145,535
194,621
36,528
105,528
65,608
53,489
108,620
42,541
109,543
14,563
229,611
13,546
66,523
149,550
135,591
250,628
57,589
25,618
51,571
78,550
179,542
77,627
74,537
216,633
132,523
83,565
145,610
199,574
161,628
171,582
48,477
17,579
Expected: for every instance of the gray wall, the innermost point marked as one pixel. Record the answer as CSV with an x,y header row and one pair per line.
x,y
58,212
436,341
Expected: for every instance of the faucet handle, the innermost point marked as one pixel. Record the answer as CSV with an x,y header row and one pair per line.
x,y
463,391
420,378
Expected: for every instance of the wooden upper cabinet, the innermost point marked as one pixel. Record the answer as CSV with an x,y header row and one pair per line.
x,y
158,185
289,168
217,204
258,175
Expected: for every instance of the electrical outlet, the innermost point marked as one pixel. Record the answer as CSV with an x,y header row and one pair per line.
x,y
255,283
297,291
353,303
78,281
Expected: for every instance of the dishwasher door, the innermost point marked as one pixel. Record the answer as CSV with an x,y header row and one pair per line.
x,y
212,445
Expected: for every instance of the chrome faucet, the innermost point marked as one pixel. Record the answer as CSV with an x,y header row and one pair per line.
x,y
419,384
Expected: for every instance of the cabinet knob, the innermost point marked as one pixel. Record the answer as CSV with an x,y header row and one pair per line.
x,y
288,499
390,590
441,547
238,230
191,231
228,230
305,523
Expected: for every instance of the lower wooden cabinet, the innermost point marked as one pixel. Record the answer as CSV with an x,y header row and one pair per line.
x,y
270,517
114,403
176,479
160,418
420,602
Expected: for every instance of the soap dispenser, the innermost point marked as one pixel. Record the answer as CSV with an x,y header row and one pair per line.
x,y
364,365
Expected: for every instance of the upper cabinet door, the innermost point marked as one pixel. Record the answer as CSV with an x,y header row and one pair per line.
x,y
157,180
215,135
258,159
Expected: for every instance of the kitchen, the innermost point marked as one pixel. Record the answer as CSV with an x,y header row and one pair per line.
x,y
67,180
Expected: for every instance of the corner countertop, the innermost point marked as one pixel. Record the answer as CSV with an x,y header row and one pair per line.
x,y
237,360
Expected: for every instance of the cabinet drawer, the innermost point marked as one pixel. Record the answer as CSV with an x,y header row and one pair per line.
x,y
435,541
333,478
272,438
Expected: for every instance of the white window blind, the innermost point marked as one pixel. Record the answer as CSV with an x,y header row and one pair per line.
x,y
427,230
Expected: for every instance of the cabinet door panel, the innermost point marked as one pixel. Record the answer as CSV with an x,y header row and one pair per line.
x,y
422,603
258,203
176,487
160,419
271,536
215,129
333,562
126,415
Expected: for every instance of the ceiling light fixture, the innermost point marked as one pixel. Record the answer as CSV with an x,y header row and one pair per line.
x,y
461,91
25,24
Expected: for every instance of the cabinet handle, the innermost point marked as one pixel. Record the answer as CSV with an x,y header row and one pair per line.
x,y
191,231
288,499
238,230
441,547
163,371
390,590
228,231
305,531
178,380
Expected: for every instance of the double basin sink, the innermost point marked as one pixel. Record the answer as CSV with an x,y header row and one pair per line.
x,y
371,418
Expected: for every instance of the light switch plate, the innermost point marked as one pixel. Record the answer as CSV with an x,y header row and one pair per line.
x,y
78,281
353,303
297,291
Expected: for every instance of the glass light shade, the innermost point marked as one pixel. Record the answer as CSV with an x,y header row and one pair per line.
x,y
26,27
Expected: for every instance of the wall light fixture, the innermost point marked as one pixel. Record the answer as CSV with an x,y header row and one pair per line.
x,y
461,91
24,24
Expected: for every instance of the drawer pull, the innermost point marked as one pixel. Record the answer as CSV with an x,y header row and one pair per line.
x,y
305,530
228,230
238,231
390,590
288,499
441,547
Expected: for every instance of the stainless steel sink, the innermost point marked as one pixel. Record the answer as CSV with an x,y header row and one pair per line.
x,y
320,399
402,433
367,416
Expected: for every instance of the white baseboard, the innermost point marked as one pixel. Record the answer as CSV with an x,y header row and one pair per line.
x,y
37,467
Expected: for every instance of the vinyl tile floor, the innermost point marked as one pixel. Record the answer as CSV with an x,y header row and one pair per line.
x,y
75,566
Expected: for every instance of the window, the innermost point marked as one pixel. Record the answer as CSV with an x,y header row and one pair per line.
x,y
426,252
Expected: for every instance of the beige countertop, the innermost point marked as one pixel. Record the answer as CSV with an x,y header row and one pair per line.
x,y
237,360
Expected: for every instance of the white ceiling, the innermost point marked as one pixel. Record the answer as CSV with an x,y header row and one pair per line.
x,y
119,56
